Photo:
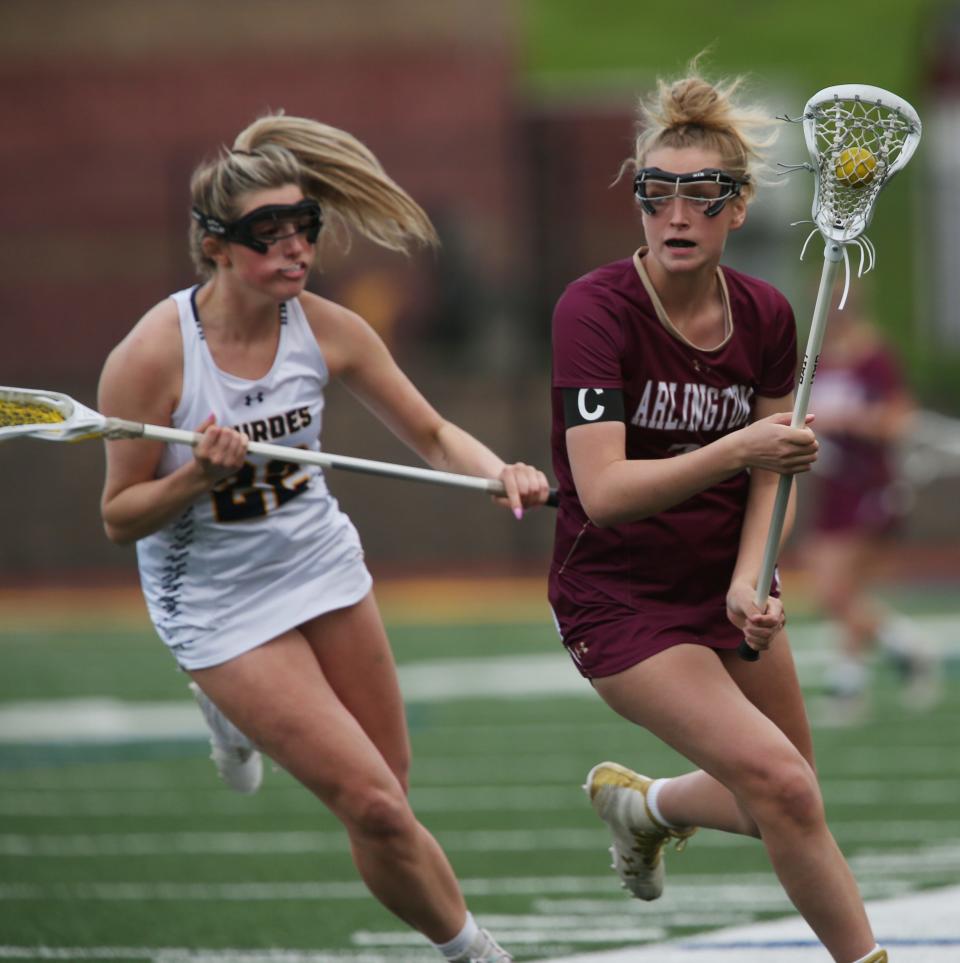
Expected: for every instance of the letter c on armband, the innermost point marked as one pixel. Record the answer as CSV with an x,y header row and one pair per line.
x,y
585,406
594,413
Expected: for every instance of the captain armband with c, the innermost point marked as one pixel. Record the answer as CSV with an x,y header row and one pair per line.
x,y
587,406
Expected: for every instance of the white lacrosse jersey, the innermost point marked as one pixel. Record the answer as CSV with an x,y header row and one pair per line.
x,y
268,548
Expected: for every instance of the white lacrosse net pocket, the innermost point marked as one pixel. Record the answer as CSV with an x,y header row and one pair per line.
x,y
857,145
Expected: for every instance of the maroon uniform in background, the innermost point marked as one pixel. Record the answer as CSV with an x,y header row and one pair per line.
x,y
623,593
854,477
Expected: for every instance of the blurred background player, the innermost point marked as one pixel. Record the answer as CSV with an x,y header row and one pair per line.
x,y
673,386
864,410
253,576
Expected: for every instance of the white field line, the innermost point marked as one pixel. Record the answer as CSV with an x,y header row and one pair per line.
x,y
750,891
519,932
879,871
523,676
576,839
79,802
178,954
304,891
444,779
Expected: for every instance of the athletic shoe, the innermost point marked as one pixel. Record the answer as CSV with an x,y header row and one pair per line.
x,y
880,956
847,678
619,797
237,759
846,695
915,662
483,949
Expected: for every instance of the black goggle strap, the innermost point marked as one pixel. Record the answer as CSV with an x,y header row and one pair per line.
x,y
240,231
711,175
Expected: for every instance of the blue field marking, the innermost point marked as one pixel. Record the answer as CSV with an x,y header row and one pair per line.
x,y
926,925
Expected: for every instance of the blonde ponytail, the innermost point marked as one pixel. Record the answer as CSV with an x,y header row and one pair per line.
x,y
330,165
344,175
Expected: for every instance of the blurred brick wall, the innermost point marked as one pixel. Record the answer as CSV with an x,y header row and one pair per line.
x,y
102,128
106,107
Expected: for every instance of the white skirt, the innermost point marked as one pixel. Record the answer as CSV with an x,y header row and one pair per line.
x,y
217,602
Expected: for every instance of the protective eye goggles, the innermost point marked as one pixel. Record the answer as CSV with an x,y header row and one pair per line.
x,y
262,228
708,189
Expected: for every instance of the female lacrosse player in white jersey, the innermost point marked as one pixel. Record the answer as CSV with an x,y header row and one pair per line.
x,y
673,380
253,576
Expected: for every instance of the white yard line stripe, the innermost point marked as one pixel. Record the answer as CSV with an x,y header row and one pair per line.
x,y
573,838
176,954
619,932
502,677
748,889
33,794
552,768
54,804
880,873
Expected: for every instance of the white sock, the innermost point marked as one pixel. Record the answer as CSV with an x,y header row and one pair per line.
x,y
869,956
653,794
458,945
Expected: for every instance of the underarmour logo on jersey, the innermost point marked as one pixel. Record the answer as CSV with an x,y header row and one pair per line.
x,y
578,651
252,398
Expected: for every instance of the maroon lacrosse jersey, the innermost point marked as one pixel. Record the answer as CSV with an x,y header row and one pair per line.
x,y
623,593
854,479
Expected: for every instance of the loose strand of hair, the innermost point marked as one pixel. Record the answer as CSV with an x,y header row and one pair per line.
x,y
692,110
342,173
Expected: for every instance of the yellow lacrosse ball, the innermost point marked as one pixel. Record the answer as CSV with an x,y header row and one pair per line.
x,y
855,167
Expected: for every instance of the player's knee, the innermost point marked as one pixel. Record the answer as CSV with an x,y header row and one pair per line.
x,y
795,796
378,813
787,792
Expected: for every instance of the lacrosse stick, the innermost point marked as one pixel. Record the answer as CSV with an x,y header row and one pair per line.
x,y
858,137
53,416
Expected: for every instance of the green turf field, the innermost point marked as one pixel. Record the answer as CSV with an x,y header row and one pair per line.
x,y
119,844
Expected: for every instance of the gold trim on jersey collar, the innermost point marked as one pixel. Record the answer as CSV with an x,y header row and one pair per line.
x,y
663,317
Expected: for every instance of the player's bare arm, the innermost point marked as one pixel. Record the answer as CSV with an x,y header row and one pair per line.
x,y
759,626
614,489
141,381
359,357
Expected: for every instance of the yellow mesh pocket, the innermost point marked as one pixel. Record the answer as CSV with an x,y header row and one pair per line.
x,y
15,413
857,144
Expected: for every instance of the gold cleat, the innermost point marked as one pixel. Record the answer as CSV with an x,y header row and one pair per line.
x,y
619,797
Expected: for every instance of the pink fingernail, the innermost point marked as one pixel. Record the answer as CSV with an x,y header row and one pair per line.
x,y
518,513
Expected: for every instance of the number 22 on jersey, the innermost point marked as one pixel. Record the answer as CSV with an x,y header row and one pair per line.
x,y
258,489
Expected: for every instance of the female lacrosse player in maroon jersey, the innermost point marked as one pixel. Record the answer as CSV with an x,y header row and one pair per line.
x,y
672,392
253,576
864,408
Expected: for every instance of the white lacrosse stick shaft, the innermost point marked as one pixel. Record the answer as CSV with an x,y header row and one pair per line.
x,y
832,256
302,456
78,422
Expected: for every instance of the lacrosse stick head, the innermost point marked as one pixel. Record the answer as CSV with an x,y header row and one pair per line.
x,y
33,413
858,137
